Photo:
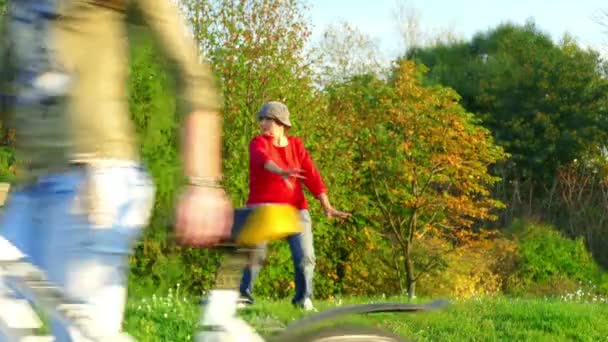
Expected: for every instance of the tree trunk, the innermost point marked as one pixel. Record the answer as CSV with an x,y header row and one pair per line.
x,y
397,265
409,273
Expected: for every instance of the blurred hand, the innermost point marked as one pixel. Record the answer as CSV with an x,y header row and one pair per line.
x,y
331,212
295,172
203,216
291,173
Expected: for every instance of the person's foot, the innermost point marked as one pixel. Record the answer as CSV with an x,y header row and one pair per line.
x,y
305,305
244,301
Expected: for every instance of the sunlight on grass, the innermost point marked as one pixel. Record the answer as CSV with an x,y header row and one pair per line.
x,y
174,318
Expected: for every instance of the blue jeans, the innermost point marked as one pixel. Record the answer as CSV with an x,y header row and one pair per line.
x,y
83,250
302,254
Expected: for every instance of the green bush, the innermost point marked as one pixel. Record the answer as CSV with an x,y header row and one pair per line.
x,y
159,265
7,160
549,263
276,276
477,268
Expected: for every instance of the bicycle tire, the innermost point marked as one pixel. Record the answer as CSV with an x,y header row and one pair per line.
x,y
363,309
342,333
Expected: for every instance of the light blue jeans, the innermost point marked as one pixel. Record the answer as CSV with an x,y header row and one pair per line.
x,y
302,254
84,251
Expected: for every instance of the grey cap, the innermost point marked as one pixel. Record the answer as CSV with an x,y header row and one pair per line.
x,y
275,110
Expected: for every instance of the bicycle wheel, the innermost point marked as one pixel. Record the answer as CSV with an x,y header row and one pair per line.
x,y
342,333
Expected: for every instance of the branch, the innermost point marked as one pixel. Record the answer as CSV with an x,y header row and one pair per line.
x,y
425,186
412,225
388,192
382,235
434,171
447,227
417,196
432,264
430,221
386,212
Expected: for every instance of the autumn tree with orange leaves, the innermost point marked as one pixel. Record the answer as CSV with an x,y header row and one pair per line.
x,y
423,162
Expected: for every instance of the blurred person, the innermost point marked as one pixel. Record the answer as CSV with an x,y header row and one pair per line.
x,y
82,195
279,165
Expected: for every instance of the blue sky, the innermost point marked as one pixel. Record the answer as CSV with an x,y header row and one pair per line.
x,y
465,17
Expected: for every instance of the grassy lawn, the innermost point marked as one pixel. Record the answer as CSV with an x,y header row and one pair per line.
x,y
173,318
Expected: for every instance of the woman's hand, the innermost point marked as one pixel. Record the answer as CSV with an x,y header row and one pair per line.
x,y
286,174
329,210
295,173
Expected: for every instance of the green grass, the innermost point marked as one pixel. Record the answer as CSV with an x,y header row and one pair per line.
x,y
173,318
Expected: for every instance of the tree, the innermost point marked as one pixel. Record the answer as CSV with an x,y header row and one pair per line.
x,y
423,162
544,102
413,34
601,17
407,21
257,50
344,52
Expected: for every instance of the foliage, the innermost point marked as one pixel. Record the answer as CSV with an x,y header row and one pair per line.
x,y
414,33
153,111
159,265
544,102
257,50
345,52
374,268
276,278
579,199
601,18
549,262
340,245
7,153
403,156
7,159
424,160
477,269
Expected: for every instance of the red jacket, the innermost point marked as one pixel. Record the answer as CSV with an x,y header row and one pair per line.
x,y
267,187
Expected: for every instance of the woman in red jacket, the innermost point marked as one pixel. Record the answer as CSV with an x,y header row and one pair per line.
x,y
278,167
